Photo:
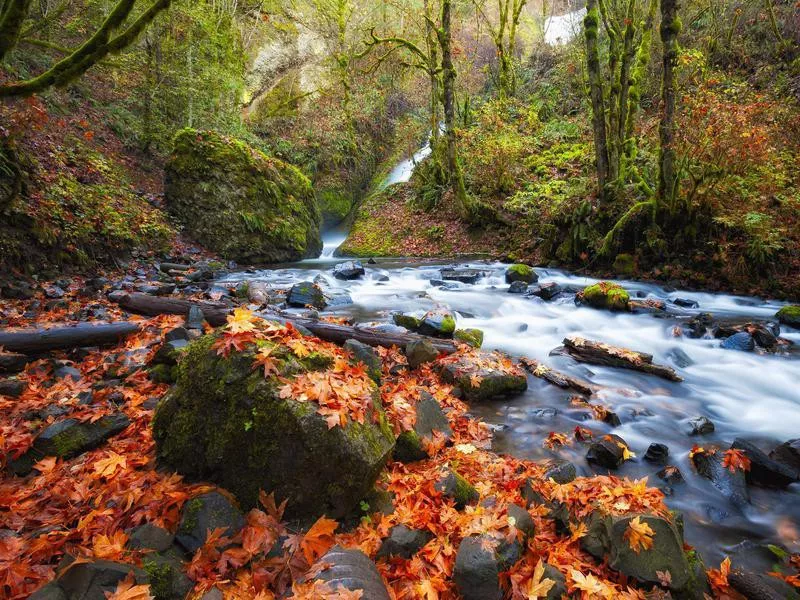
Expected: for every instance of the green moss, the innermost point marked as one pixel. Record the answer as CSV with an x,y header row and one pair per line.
x,y
159,577
472,337
448,324
408,447
335,205
606,295
407,321
624,264
162,373
239,202
68,442
520,270
789,315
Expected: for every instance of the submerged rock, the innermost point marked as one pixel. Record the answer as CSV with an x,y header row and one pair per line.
x,y
518,287
611,296
657,453
225,422
522,273
742,341
545,291
700,426
788,453
240,203
462,275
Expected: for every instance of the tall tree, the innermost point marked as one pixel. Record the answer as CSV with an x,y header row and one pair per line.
x,y
112,36
503,32
614,92
667,176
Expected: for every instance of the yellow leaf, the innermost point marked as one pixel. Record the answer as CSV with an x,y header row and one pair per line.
x,y
107,467
639,535
241,321
538,587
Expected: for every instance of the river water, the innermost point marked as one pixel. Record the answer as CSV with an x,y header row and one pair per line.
x,y
748,395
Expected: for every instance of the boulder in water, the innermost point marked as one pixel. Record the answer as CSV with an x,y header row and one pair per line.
x,y
462,275
731,483
239,202
225,422
520,272
610,296
352,269
305,294
789,315
471,337
483,376
545,291
439,323
741,341
610,451
788,453
518,287
763,470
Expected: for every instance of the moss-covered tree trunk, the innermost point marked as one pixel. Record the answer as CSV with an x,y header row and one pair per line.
x,y
667,180
590,25
433,73
463,204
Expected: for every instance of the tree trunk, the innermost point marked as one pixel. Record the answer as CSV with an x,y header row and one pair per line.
x,y
591,24
32,341
463,204
667,179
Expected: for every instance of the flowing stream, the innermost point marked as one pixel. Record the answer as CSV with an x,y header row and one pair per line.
x,y
748,395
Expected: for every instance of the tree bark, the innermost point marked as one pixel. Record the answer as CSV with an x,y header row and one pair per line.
x,y
33,341
598,353
590,25
670,28
557,378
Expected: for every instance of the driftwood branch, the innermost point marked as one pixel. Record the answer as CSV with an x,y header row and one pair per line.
x,y
557,378
34,341
598,353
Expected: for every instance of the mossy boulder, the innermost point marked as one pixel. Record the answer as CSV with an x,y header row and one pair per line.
x,y
471,337
239,202
520,272
611,296
789,315
224,422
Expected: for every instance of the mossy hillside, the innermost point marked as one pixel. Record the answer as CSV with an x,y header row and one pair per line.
x,y
335,204
239,202
224,422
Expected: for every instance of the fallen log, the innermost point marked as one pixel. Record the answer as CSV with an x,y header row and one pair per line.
x,y
562,380
216,314
33,341
598,353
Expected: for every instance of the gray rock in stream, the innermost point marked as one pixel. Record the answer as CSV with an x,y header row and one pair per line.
x,y
305,294
732,484
348,270
764,471
742,342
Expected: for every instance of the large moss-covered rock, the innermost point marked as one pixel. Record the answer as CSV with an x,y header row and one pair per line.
x,y
606,295
239,202
789,315
224,422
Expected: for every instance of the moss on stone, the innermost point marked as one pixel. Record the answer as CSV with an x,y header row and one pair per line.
x,y
606,295
520,272
472,337
162,373
408,447
407,321
239,202
159,576
789,315
335,205
226,423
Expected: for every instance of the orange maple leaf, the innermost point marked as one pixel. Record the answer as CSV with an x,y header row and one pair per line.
x,y
735,459
264,359
241,321
639,535
107,467
109,547
319,539
126,590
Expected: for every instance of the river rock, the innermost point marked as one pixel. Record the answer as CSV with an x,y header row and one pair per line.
x,y
353,570
679,358
12,387
605,539
407,321
480,382
788,453
742,341
149,537
700,426
454,486
410,445
545,291
471,337
348,270
763,470
671,475
518,287
203,514
69,438
51,591
462,275
305,294
754,586
226,423
419,352
607,452
365,354
732,485
561,472
789,315
240,203
438,323
657,454
520,272
403,542
699,325
685,303
93,580
477,569
610,296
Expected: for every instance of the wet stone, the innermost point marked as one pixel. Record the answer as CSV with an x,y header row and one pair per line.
x,y
306,294
403,542
742,342
518,287
462,275
477,569
679,358
700,426
419,352
731,484
657,454
788,454
353,570
765,471
607,452
348,270
562,472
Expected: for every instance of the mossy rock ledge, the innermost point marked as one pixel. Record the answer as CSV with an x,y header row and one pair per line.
x,y
240,203
224,422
